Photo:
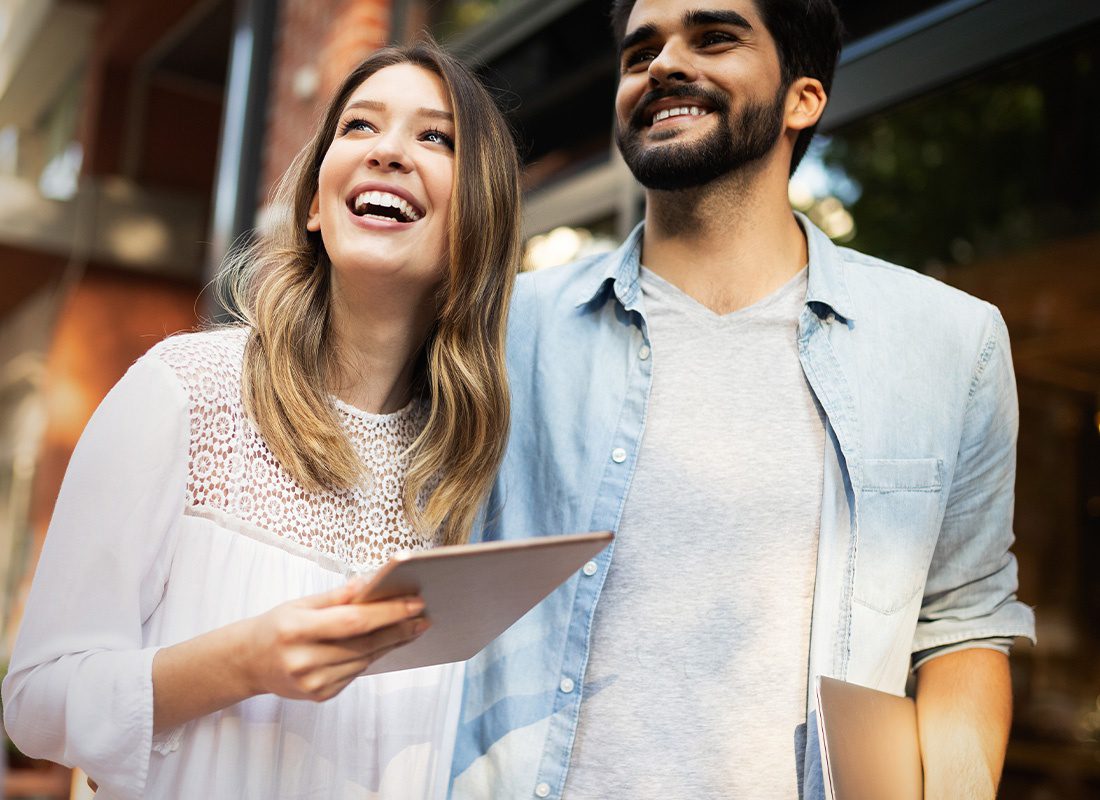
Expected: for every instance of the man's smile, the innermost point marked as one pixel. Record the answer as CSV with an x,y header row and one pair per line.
x,y
679,111
670,109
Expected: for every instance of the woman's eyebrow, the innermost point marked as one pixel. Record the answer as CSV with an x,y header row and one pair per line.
x,y
375,105
436,113
370,105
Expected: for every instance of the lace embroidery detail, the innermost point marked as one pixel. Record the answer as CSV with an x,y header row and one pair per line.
x,y
232,469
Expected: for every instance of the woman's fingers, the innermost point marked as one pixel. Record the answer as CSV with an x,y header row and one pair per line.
x,y
376,643
291,650
336,678
368,646
347,593
320,671
358,619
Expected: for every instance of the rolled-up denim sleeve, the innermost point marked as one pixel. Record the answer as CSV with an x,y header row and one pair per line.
x,y
971,589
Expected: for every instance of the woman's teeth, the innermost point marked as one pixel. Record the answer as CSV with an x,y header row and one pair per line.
x,y
384,204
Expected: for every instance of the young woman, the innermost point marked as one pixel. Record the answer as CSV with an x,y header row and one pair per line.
x,y
192,631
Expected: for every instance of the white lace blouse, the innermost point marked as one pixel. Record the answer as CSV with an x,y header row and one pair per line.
x,y
175,518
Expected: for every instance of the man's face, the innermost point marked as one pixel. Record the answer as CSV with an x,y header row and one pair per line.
x,y
700,94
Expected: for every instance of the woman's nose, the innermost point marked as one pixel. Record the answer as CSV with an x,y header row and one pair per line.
x,y
388,153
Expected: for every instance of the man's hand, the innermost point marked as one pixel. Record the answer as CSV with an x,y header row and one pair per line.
x,y
964,710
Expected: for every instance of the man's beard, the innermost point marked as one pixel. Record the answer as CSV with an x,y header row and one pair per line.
x,y
676,166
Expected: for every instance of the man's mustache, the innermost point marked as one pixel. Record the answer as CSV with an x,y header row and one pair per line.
x,y
640,118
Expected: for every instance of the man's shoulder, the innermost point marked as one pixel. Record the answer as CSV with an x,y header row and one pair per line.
x,y
916,311
905,321
878,285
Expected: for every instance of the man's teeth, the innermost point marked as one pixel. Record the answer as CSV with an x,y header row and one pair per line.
x,y
665,113
385,199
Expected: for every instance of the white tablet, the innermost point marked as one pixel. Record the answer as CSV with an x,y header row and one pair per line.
x,y
473,592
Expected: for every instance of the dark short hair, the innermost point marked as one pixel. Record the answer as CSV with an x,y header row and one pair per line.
x,y
807,35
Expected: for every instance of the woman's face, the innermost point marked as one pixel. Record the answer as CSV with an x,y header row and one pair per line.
x,y
384,188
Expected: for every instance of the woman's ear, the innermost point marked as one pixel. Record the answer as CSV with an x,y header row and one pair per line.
x,y
313,219
806,101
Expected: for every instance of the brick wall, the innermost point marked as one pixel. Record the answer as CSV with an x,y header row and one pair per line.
x,y
319,38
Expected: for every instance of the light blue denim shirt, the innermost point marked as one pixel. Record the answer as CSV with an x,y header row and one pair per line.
x,y
916,382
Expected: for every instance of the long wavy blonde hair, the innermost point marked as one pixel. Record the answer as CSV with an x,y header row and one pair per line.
x,y
280,287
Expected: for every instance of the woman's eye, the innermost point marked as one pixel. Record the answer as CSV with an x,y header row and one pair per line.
x,y
355,125
438,137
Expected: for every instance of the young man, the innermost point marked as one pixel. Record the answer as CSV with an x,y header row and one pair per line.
x,y
807,456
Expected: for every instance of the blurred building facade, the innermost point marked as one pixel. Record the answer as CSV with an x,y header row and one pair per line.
x,y
138,140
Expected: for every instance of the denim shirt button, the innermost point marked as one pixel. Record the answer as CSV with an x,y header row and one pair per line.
x,y
643,352
618,455
566,685
542,790
589,569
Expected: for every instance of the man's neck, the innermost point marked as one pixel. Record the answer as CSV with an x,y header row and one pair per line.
x,y
728,244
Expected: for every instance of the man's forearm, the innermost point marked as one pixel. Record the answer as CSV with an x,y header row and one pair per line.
x,y
964,710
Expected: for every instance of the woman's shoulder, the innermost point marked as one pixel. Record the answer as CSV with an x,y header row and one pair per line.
x,y
207,363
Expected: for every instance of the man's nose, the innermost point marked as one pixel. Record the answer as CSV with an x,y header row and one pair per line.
x,y
673,64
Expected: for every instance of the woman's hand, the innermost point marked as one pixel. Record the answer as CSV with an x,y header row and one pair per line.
x,y
310,649
307,649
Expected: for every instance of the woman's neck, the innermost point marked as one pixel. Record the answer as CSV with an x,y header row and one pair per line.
x,y
377,336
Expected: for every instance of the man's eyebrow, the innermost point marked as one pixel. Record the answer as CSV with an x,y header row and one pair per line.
x,y
374,105
697,19
691,19
637,35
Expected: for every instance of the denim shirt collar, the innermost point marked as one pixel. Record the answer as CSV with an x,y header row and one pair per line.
x,y
619,273
827,284
827,289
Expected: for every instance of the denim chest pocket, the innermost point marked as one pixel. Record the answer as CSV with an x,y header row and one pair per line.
x,y
899,519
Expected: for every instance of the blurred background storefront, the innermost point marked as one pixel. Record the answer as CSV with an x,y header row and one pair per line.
x,y
138,140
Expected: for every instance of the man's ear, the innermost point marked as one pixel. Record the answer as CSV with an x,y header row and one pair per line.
x,y
806,101
313,219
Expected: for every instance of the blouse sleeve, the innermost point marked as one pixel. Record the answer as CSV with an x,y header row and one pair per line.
x,y
79,690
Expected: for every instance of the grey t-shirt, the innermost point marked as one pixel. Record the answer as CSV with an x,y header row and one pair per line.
x,y
697,676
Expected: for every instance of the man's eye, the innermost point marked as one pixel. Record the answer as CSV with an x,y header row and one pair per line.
x,y
717,37
636,58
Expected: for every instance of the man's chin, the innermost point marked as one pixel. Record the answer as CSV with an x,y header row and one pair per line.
x,y
669,167
665,182
658,174
668,149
